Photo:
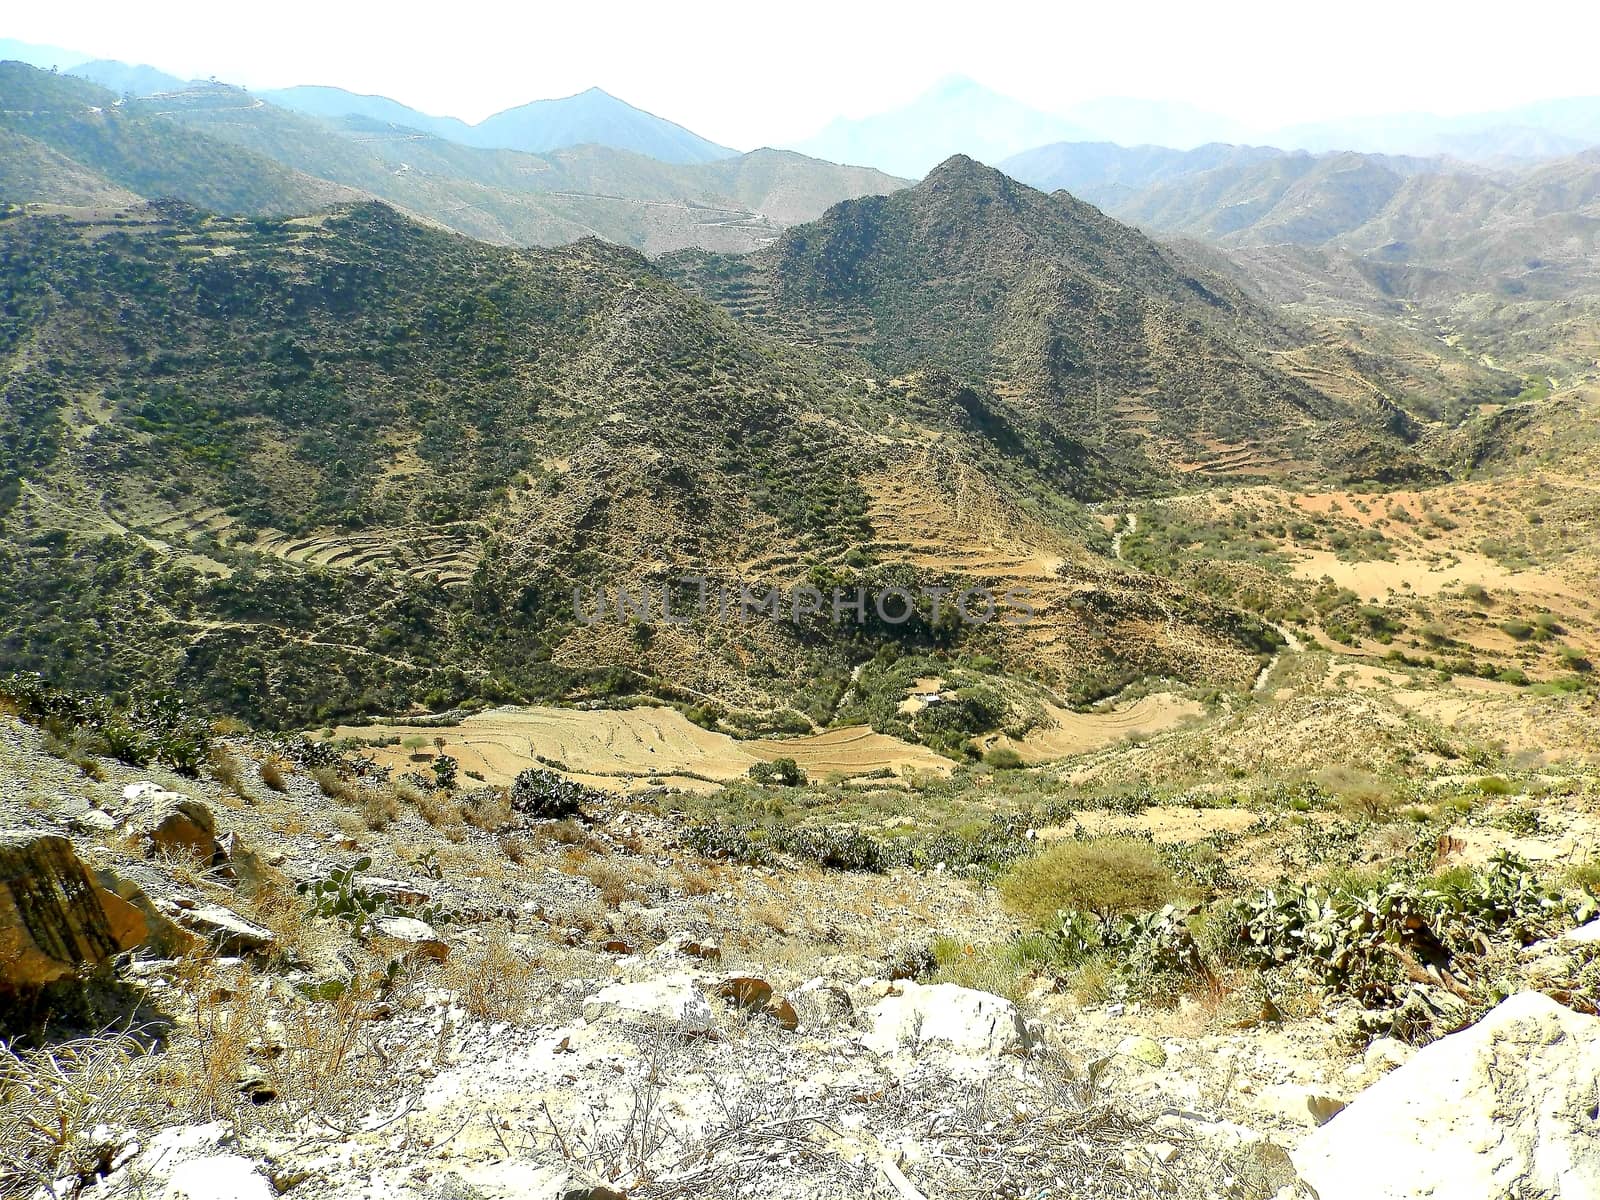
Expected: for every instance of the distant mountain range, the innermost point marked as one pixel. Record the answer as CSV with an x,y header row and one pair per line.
x,y
594,116
126,80
1509,256
1428,225
68,141
1547,129
957,115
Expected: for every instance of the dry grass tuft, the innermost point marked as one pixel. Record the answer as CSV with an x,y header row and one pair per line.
x,y
443,813
614,881
518,847
495,982
489,809
379,808
335,787
228,771
571,834
69,1109
275,772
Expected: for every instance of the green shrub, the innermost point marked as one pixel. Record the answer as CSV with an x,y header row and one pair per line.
x,y
837,848
1108,878
545,795
1585,876
1003,758
151,727
1574,659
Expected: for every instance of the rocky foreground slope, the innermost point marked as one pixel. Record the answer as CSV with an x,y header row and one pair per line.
x,y
325,989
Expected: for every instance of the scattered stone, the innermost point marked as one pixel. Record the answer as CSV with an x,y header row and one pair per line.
x,y
403,893
136,793
745,991
1583,935
239,862
820,1003
1426,1012
92,821
1302,1105
1506,1103
1143,1049
910,959
414,936
690,946
54,921
783,1012
1385,1054
647,920
669,1000
225,930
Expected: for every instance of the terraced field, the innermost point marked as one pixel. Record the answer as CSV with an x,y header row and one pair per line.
x,y
1070,733
623,749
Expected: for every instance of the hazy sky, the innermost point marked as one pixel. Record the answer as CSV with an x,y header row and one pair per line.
x,y
747,74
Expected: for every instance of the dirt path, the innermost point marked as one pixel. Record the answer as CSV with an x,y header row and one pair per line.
x,y
1291,645
1131,526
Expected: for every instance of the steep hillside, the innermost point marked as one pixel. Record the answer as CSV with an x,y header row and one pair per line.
x,y
345,463
32,173
139,152
1123,352
1299,197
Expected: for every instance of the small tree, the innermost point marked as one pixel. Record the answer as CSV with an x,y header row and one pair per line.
x,y
1108,878
782,772
444,771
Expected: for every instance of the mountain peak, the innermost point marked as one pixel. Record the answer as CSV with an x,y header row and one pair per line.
x,y
954,87
966,173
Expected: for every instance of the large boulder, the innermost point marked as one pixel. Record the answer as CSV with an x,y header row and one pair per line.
x,y
217,1177
54,920
1506,1107
163,938
180,825
671,1000
959,1022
